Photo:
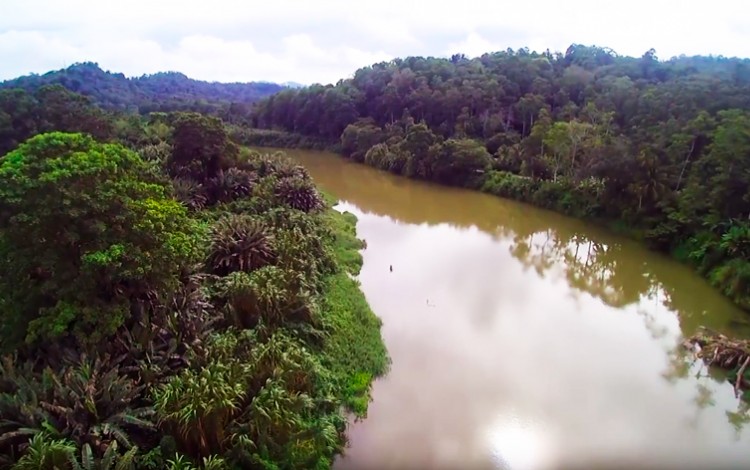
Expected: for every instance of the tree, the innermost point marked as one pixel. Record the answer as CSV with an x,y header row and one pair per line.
x,y
729,157
63,110
459,162
87,231
357,139
201,147
416,145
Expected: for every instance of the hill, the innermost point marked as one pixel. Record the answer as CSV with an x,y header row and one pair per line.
x,y
166,91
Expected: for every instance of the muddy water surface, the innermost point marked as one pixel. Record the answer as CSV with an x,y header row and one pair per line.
x,y
524,339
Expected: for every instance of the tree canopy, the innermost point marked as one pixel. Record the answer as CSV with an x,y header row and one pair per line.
x,y
87,231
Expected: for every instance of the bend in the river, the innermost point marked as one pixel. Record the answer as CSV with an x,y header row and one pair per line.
x,y
521,338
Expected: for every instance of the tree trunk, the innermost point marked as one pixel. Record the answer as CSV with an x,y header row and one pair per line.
x,y
684,165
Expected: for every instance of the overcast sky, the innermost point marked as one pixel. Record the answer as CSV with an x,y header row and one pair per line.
x,y
324,40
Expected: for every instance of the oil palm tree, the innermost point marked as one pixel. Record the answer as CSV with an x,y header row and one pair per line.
x,y
239,243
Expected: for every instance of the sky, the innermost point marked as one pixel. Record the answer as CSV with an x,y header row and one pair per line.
x,y
322,41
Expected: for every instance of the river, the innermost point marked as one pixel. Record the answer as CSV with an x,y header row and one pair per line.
x,y
524,339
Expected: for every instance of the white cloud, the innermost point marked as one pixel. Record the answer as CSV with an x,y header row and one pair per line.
x,y
473,45
325,40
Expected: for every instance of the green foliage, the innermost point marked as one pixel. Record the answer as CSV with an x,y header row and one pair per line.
x,y
239,243
86,232
231,184
354,352
45,453
139,355
459,162
279,139
660,146
91,404
111,460
198,406
359,137
201,147
298,194
345,243
269,294
190,193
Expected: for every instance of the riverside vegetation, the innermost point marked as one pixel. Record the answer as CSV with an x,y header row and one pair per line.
x,y
660,149
169,300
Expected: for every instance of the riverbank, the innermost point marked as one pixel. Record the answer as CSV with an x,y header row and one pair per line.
x,y
355,352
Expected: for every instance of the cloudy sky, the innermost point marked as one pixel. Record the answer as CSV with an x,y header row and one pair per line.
x,y
323,40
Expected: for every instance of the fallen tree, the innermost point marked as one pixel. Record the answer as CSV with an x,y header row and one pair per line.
x,y
720,351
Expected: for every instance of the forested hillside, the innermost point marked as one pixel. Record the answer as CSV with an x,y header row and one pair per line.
x,y
662,147
170,91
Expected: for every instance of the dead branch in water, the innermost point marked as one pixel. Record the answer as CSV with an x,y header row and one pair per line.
x,y
740,374
717,350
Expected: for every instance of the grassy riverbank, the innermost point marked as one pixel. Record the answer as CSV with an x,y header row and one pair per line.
x,y
354,352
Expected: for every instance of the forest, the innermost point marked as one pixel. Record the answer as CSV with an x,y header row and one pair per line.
x,y
166,91
168,299
659,149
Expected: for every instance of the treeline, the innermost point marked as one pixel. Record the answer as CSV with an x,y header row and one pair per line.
x,y
660,147
162,92
169,300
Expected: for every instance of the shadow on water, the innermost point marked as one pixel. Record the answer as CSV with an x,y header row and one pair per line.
x,y
595,281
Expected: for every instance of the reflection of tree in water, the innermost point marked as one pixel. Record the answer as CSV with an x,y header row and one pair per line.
x,y
683,365
588,264
621,273
739,418
610,272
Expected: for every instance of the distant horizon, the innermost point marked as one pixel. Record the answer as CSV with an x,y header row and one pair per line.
x,y
298,83
231,41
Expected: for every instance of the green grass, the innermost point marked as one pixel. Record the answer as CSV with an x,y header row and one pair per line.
x,y
355,352
346,245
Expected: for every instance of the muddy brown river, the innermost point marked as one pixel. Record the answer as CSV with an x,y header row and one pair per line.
x,y
523,339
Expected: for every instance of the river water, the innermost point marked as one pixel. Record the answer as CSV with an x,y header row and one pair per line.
x,y
524,339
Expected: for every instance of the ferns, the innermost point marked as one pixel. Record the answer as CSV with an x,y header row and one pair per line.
x,y
89,404
269,294
111,460
212,462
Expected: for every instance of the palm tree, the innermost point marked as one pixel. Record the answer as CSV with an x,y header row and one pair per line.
x,y
650,180
231,184
190,193
239,243
199,405
298,193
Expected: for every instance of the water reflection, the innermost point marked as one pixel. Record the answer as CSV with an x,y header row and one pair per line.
x,y
512,327
615,269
